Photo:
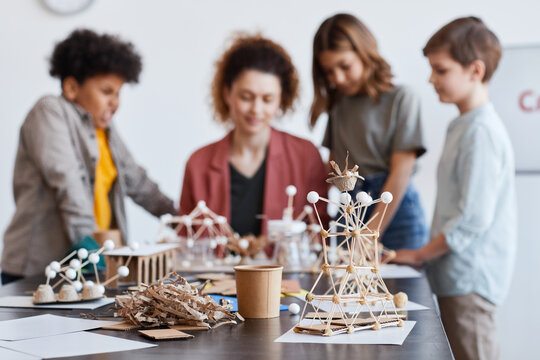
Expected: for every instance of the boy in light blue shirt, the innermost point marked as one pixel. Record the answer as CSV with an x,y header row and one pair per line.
x,y
470,257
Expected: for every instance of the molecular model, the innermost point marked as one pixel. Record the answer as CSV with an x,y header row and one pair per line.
x,y
69,270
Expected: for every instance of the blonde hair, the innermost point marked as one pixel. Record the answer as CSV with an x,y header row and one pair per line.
x,y
343,32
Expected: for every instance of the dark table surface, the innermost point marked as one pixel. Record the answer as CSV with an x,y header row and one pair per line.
x,y
254,339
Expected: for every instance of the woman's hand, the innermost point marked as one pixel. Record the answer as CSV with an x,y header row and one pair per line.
x,y
408,257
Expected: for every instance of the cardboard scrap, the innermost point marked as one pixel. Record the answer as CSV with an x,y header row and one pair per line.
x,y
121,326
215,276
188,327
165,334
172,301
290,286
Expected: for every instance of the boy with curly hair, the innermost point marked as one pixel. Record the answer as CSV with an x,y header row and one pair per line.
x,y
72,170
474,231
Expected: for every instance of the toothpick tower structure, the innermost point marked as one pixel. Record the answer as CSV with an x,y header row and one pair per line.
x,y
361,287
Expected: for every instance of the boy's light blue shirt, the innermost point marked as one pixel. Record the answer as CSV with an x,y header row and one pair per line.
x,y
475,208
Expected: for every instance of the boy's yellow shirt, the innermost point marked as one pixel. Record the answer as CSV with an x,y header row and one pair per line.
x,y
105,175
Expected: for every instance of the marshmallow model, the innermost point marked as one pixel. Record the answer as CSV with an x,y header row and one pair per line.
x,y
69,272
352,265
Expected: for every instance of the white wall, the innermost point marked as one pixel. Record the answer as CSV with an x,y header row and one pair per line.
x,y
165,117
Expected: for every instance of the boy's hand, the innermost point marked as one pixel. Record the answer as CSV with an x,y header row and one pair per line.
x,y
408,257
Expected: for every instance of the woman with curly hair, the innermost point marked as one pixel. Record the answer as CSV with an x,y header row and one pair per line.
x,y
245,174
72,170
375,121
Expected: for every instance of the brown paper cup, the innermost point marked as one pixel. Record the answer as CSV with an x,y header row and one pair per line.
x,y
114,234
258,289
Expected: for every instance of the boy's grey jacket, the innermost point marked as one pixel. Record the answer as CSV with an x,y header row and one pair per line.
x,y
53,186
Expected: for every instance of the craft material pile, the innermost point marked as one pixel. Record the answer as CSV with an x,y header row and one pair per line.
x,y
172,301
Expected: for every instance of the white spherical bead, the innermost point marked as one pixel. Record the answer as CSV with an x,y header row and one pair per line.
x,y
308,209
362,197
101,289
186,263
186,220
50,273
314,227
201,204
134,245
75,264
243,243
345,198
221,220
209,264
55,265
312,197
222,240
290,190
82,254
294,308
93,258
317,247
88,283
108,244
78,285
71,274
190,242
123,271
386,197
166,218
213,244
208,222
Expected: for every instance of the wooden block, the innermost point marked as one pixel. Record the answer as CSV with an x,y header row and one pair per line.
x,y
165,334
123,325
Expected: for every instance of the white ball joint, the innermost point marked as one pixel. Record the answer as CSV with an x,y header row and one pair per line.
x,y
345,198
312,197
133,245
208,222
308,209
108,244
93,258
363,198
55,266
75,264
82,253
71,274
123,271
77,285
294,308
202,206
290,190
243,243
386,197
50,273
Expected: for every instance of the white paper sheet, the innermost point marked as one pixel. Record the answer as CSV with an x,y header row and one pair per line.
x,y
394,271
386,336
351,307
14,355
46,325
26,302
73,344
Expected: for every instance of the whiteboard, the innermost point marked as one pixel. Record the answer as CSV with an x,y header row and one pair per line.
x,y
515,93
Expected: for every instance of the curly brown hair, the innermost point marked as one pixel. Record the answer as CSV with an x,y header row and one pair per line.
x,y
253,52
346,32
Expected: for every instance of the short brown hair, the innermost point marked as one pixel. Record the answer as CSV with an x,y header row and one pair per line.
x,y
466,40
346,32
253,52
